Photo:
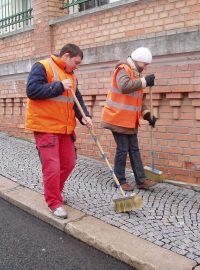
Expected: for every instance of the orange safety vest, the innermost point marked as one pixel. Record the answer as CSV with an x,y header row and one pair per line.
x,y
53,115
123,110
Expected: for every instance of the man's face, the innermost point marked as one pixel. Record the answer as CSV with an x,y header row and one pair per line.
x,y
142,66
72,63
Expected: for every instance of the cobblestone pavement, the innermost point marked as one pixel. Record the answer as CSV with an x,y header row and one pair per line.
x,y
170,217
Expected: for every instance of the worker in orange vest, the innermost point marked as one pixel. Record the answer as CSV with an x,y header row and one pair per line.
x,y
122,111
51,114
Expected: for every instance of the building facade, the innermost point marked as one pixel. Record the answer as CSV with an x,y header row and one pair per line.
x,y
108,31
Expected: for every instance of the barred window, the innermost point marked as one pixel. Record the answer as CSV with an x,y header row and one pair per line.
x,y
75,6
14,15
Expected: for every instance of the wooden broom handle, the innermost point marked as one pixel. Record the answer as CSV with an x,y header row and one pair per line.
x,y
98,144
151,115
151,102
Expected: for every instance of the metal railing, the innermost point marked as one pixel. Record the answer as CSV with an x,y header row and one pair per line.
x,y
14,15
75,6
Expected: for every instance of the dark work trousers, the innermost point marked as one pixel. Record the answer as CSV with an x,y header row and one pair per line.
x,y
128,144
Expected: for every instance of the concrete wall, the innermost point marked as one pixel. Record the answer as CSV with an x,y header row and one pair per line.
x,y
169,28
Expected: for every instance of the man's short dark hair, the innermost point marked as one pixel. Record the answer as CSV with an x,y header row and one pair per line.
x,y
72,49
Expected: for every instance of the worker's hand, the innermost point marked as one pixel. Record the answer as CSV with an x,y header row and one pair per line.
x,y
87,122
151,119
67,84
150,80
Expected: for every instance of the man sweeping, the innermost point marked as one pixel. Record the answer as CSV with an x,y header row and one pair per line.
x,y
51,114
121,114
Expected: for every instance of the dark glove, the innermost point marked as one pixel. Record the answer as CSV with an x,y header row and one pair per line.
x,y
152,120
150,80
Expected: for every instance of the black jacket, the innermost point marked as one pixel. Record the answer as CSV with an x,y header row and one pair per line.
x,y
39,88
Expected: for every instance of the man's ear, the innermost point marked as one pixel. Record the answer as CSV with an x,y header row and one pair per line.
x,y
66,55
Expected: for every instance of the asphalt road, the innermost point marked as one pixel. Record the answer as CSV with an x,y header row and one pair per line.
x,y
27,243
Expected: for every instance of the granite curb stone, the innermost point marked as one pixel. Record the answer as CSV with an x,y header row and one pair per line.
x,y
128,248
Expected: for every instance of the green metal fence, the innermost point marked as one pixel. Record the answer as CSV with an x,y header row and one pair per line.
x,y
74,6
14,15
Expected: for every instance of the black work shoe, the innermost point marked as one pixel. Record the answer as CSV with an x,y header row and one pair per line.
x,y
147,184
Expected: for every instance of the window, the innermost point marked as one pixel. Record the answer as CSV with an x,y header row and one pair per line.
x,y
14,15
75,6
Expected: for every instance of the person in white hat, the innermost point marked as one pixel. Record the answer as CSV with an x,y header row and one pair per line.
x,y
122,111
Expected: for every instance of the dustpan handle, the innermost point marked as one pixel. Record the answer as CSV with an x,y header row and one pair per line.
x,y
97,143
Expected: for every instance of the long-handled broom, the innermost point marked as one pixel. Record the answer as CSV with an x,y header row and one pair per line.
x,y
126,203
151,172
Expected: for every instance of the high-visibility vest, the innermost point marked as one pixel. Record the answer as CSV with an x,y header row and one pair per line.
x,y
53,115
123,110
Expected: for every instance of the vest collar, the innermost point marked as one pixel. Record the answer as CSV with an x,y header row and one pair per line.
x,y
131,63
58,61
133,66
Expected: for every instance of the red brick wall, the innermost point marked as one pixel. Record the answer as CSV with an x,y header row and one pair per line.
x,y
127,22
16,47
176,94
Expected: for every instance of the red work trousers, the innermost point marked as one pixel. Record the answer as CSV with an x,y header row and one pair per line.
x,y
57,155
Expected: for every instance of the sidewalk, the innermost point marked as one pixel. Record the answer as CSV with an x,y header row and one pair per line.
x,y
163,235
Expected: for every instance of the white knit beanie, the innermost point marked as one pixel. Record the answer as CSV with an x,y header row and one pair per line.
x,y
142,54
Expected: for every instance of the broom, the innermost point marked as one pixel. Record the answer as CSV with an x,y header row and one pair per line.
x,y
151,172
126,203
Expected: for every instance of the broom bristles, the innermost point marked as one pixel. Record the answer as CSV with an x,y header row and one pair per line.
x,y
153,174
127,204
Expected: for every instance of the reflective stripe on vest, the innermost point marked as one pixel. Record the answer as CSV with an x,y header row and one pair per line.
x,y
56,78
63,99
134,94
123,107
55,72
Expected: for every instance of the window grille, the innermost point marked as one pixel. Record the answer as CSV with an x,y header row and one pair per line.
x,y
14,15
75,6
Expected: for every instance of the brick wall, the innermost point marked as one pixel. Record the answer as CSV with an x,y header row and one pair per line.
x,y
144,18
169,28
